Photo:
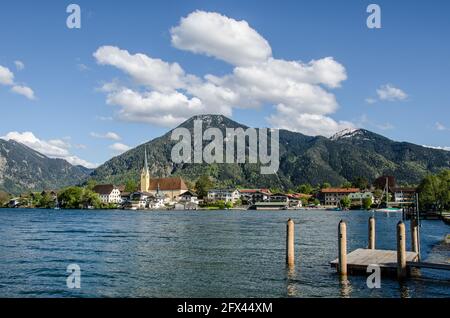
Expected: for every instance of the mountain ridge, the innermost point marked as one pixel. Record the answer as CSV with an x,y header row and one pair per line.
x,y
303,159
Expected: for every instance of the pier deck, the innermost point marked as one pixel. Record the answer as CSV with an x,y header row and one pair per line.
x,y
359,259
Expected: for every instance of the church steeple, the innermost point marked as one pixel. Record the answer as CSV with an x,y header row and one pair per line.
x,y
145,174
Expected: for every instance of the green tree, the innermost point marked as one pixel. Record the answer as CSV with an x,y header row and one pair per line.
x,y
46,201
367,203
203,185
346,202
90,184
131,186
229,205
360,183
434,192
325,185
90,199
347,184
70,198
305,188
220,204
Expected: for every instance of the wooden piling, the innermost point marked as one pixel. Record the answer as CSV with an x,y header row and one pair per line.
x,y
414,236
371,245
290,236
342,243
401,250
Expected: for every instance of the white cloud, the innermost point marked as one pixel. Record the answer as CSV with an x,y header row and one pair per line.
x,y
308,124
216,35
119,147
166,95
147,71
19,65
440,126
82,67
437,147
109,135
371,100
24,91
391,93
55,148
6,76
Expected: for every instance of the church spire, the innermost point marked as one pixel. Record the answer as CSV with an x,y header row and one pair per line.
x,y
145,174
146,162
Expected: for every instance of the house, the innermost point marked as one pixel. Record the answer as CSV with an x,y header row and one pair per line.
x,y
108,193
358,197
226,195
279,197
138,201
332,196
403,194
249,196
188,196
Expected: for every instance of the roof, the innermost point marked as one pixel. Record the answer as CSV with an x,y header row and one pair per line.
x,y
104,188
340,190
167,184
254,190
400,189
191,193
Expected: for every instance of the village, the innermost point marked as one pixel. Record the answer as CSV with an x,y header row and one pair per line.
x,y
172,193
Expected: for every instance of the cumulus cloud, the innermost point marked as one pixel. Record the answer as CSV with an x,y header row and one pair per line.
x,y
164,94
55,148
216,35
308,124
19,65
7,79
24,91
119,148
390,93
109,135
6,76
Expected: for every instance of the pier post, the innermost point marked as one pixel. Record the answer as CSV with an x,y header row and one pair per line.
x,y
371,233
414,236
342,258
290,236
401,250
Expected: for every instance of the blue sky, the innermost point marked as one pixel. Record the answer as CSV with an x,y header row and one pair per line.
x,y
393,80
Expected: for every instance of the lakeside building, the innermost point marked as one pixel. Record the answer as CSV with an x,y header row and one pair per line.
x,y
249,196
403,195
171,187
108,193
226,195
333,196
357,198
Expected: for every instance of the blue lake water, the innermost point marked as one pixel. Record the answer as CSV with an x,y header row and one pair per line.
x,y
198,254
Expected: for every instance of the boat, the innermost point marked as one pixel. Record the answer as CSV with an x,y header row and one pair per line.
x,y
388,209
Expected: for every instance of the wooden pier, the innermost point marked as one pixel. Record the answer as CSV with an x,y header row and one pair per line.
x,y
361,258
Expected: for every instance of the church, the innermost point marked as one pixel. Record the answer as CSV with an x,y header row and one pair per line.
x,y
171,187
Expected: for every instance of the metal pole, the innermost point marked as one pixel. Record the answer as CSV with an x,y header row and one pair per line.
x,y
419,224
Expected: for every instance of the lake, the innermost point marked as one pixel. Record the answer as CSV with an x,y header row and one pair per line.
x,y
199,254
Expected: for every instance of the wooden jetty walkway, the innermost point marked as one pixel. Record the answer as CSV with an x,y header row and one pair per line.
x,y
361,258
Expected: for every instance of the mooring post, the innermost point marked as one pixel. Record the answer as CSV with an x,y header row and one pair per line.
x,y
290,236
401,250
371,233
414,236
342,242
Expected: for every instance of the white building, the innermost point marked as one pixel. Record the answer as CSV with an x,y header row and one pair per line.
x,y
230,195
108,193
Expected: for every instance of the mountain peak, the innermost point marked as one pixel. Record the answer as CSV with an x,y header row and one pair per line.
x,y
357,134
212,120
346,133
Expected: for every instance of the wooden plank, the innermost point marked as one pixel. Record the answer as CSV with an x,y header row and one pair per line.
x,y
440,266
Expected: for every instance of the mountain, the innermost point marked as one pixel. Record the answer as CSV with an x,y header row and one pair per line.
x,y
343,157
24,169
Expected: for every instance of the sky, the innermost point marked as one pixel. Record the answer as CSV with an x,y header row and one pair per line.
x,y
136,69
